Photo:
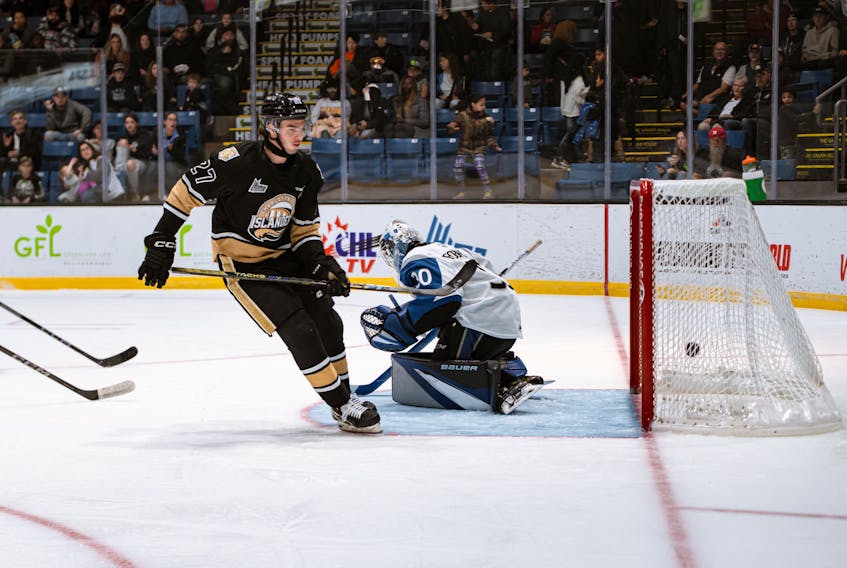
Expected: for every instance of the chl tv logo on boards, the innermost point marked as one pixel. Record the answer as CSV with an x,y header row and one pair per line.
x,y
41,244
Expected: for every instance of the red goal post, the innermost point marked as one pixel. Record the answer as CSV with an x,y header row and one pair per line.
x,y
715,343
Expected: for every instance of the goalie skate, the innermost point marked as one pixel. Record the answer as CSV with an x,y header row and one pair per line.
x,y
516,393
358,417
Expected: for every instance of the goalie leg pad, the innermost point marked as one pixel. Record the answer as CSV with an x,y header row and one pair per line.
x,y
418,380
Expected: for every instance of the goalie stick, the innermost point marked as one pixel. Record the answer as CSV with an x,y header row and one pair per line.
x,y
125,355
433,333
463,276
106,392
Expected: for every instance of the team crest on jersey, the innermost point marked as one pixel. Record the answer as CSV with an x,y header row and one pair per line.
x,y
228,153
272,218
257,186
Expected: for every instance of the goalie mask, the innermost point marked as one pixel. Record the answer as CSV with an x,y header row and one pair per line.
x,y
396,241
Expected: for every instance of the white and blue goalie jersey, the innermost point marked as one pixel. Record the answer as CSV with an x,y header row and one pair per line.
x,y
486,302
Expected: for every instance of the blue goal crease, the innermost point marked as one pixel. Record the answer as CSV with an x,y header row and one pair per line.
x,y
566,413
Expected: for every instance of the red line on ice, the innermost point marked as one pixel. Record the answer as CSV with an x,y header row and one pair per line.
x,y
676,526
114,557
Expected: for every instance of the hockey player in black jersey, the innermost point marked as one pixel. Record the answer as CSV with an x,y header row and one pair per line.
x,y
266,221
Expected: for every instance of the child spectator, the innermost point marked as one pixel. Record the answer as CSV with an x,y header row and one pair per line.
x,y
25,186
573,95
477,133
195,98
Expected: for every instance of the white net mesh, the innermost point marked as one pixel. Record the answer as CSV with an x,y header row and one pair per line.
x,y
730,354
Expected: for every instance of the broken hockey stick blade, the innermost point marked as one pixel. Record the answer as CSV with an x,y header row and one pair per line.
x,y
125,355
105,392
463,276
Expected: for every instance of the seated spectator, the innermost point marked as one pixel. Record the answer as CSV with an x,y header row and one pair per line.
x,y
133,157
449,83
183,55
367,111
791,45
69,12
21,140
19,32
411,113
66,118
414,70
115,53
176,149
165,16
757,127
224,67
56,32
718,160
731,108
789,119
355,60
95,139
216,33
676,164
542,32
714,79
530,84
120,91
37,59
195,97
391,54
378,73
142,56
77,182
200,31
149,89
326,112
820,44
25,185
753,63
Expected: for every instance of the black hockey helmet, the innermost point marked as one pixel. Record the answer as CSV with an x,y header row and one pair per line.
x,y
282,106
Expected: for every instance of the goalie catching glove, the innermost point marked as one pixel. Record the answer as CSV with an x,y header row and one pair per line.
x,y
158,260
387,329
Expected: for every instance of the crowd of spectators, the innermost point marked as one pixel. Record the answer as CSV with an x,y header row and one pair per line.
x,y
206,57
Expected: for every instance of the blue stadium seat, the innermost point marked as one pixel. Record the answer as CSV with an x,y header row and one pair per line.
x,y
442,118
366,159
531,117
552,125
396,21
497,115
586,37
147,119
55,153
576,12
785,169
703,110
88,96
701,138
36,119
445,152
327,153
387,90
509,162
190,121
493,91
403,159
735,138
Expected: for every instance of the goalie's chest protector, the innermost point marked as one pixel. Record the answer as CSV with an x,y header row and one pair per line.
x,y
488,305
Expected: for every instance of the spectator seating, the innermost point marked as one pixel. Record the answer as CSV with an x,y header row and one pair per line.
x,y
493,91
207,94
575,12
586,38
443,117
811,83
56,153
7,178
88,96
531,117
445,151
387,90
509,162
552,125
734,138
361,22
365,160
786,170
327,153
403,160
703,110
586,181
497,115
396,21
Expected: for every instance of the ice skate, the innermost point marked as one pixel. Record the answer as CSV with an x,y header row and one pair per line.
x,y
357,416
513,395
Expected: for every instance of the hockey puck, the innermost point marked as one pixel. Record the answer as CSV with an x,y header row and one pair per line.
x,y
692,349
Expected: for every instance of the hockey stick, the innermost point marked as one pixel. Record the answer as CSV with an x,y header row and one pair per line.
x,y
433,333
105,392
464,274
125,355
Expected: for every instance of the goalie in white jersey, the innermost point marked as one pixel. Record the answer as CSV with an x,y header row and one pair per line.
x,y
479,321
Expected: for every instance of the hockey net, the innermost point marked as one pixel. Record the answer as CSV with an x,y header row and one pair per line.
x,y
715,343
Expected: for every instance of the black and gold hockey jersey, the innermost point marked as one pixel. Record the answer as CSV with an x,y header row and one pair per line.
x,y
262,209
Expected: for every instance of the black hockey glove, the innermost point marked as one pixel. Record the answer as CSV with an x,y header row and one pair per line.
x,y
158,260
328,269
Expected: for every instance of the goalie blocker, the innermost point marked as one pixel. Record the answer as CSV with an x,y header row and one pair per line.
x,y
499,385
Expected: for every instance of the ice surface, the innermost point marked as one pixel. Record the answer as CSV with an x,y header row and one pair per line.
x,y
217,460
